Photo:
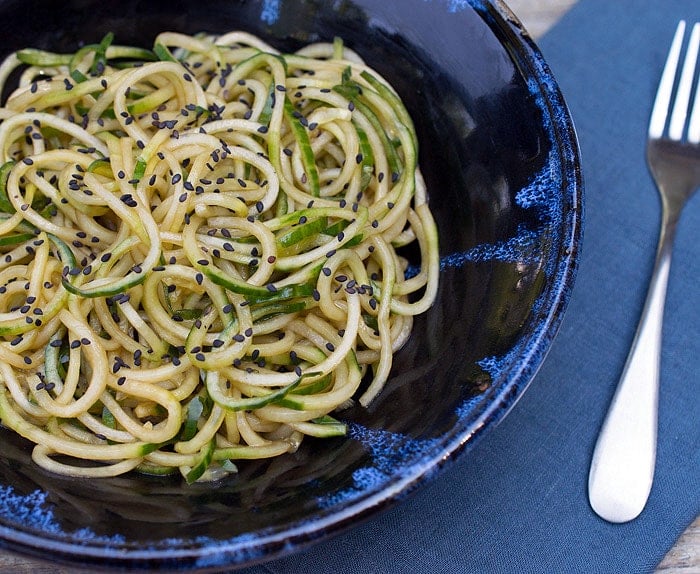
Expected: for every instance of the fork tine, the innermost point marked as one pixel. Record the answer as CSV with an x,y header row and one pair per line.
x,y
663,95
680,108
694,123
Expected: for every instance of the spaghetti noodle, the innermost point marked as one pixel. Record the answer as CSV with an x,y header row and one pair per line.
x,y
198,250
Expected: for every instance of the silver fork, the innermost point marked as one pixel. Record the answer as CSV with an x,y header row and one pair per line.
x,y
622,468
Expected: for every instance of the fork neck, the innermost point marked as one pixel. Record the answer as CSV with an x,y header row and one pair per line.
x,y
670,217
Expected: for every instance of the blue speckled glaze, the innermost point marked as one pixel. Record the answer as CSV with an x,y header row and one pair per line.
x,y
391,454
30,509
562,171
523,246
270,11
34,511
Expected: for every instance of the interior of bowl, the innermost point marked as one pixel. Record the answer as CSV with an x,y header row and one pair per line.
x,y
499,157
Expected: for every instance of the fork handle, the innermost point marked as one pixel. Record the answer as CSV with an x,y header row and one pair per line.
x,y
622,468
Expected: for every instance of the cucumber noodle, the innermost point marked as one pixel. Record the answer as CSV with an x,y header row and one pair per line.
x,y
198,250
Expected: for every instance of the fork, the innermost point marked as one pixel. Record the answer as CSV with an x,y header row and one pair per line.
x,y
622,467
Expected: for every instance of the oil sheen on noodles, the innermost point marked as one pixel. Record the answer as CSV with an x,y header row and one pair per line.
x,y
198,250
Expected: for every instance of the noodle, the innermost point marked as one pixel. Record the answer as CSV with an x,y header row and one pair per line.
x,y
198,250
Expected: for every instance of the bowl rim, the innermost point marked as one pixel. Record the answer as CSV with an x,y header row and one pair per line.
x,y
261,546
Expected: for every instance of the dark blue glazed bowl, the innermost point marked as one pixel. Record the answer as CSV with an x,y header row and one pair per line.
x,y
499,154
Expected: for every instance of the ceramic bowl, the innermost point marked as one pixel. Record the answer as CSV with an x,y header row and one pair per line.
x,y
499,154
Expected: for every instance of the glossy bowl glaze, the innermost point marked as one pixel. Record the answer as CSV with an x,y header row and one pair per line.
x,y
499,154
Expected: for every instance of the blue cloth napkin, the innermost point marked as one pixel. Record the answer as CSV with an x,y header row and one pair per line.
x,y
518,501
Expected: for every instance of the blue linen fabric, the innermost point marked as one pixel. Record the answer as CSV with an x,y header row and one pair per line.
x,y
518,501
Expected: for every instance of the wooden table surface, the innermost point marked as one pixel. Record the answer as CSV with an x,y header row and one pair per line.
x,y
684,558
